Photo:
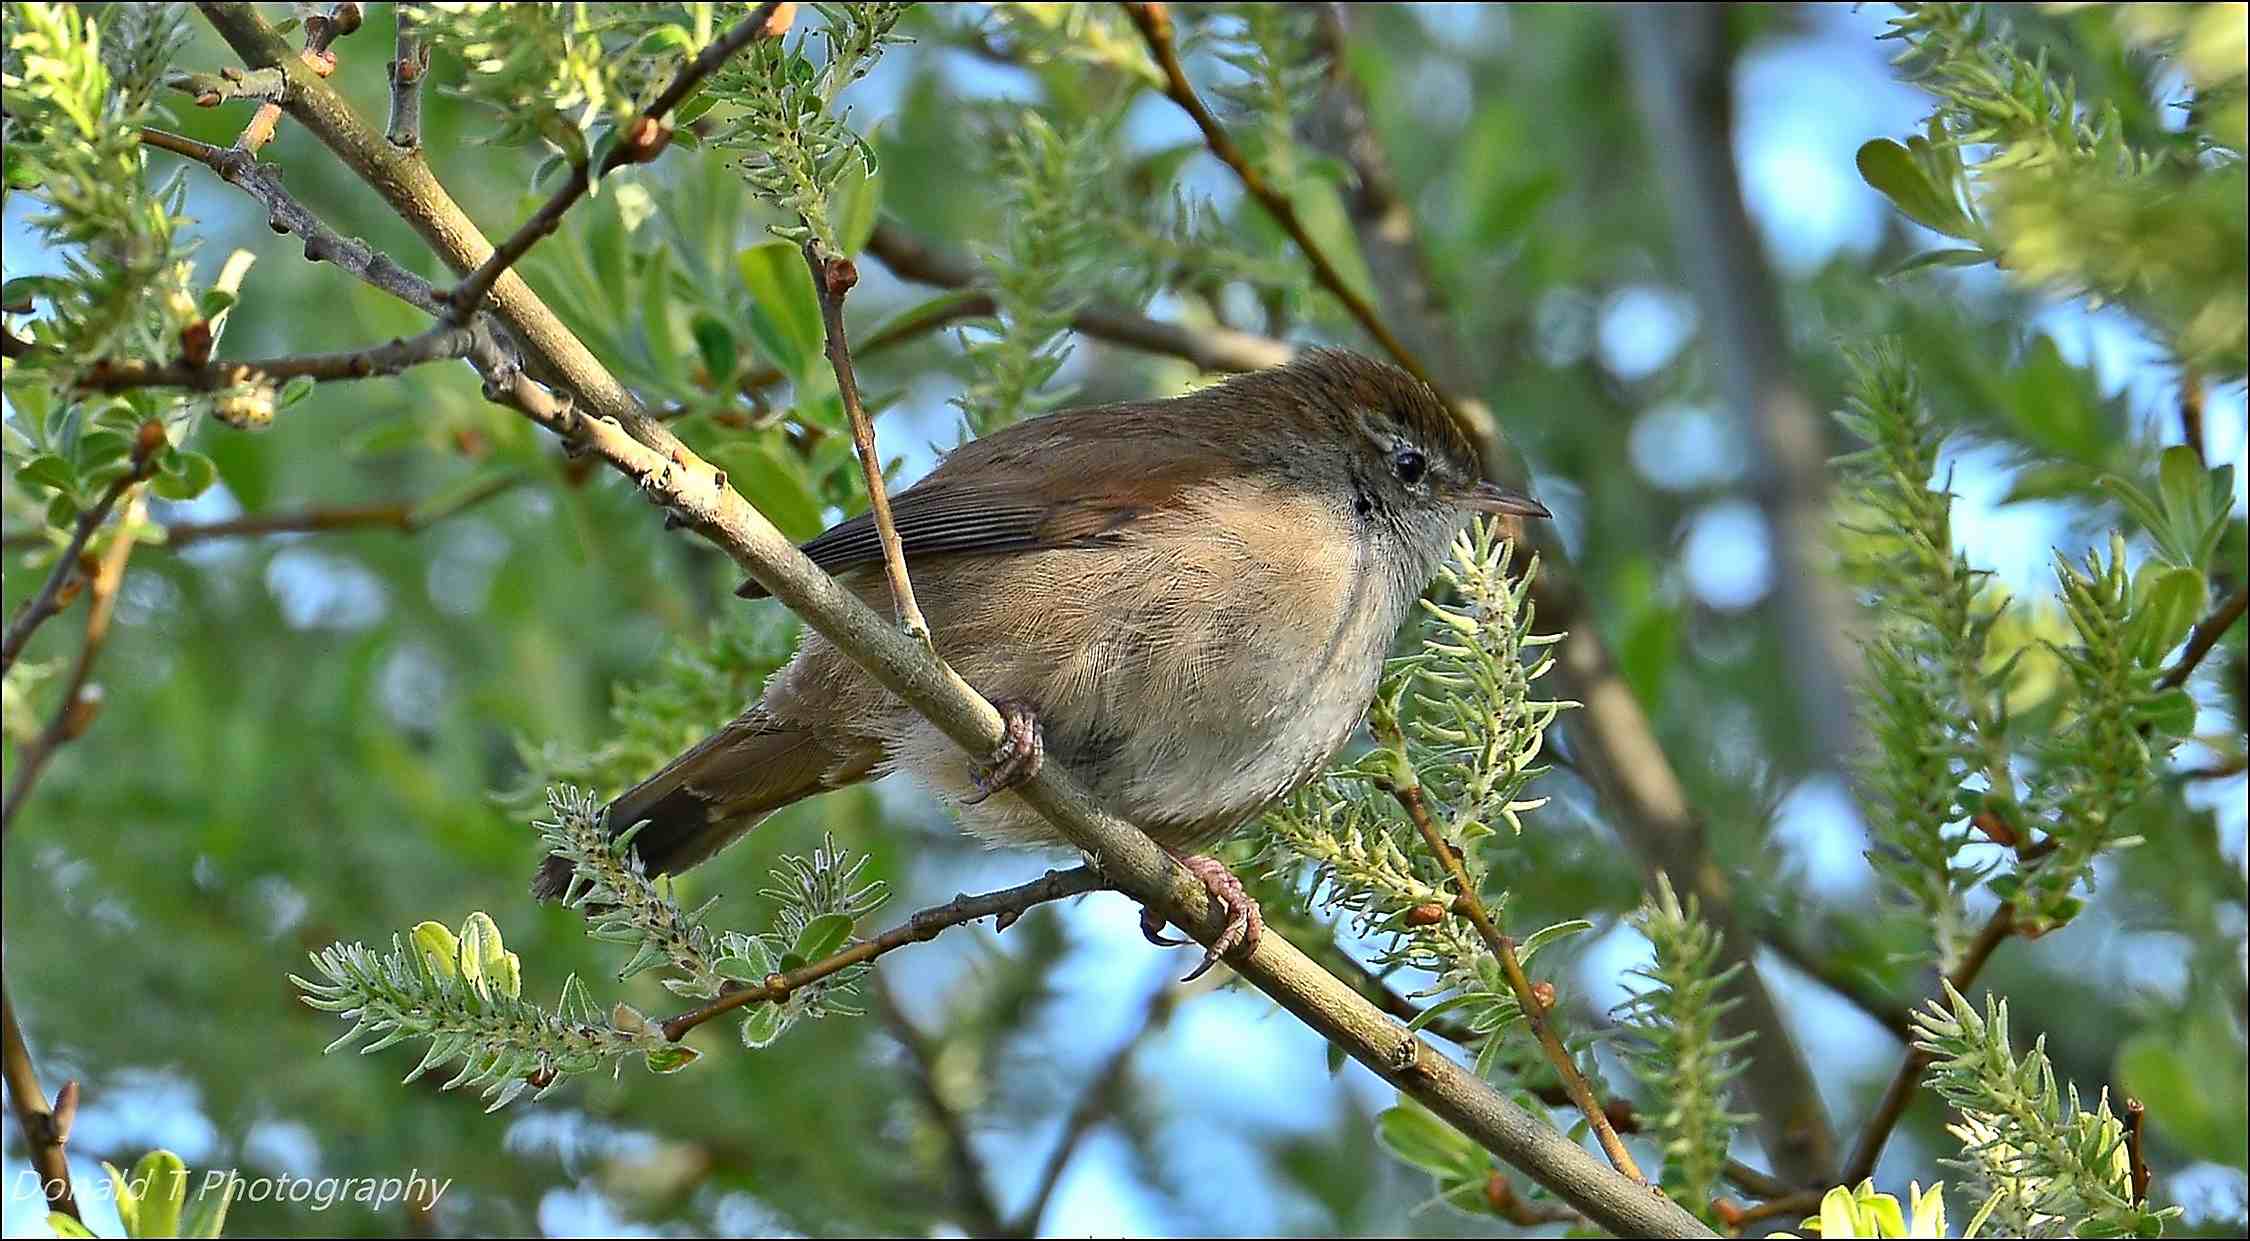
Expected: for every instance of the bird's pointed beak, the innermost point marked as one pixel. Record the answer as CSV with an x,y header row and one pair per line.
x,y
1493,498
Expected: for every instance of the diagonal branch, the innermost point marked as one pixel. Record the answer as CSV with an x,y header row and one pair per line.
x,y
2203,638
55,593
1155,23
833,275
1406,785
637,142
1900,1091
81,700
45,1127
1099,1096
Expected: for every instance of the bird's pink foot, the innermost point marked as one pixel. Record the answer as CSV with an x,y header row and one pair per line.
x,y
1020,753
1244,921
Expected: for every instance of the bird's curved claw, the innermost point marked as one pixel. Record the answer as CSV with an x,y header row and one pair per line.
x,y
1020,754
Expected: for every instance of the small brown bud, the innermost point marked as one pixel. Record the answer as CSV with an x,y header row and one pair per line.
x,y
1428,913
323,61
1499,1194
839,273
83,710
646,139
1996,829
150,439
208,99
66,1111
1727,1212
195,342
540,1079
1543,994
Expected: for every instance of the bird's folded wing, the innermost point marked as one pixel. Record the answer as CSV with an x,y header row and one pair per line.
x,y
987,500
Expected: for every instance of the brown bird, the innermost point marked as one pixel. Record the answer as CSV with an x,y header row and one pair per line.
x,y
1185,602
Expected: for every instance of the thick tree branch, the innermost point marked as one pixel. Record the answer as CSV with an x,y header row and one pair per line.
x,y
45,1128
833,276
639,141
1681,66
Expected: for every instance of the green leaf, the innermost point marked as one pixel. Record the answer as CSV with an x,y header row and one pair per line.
x,y
670,1058
208,1216
162,1178
784,311
1891,170
2169,599
775,483
185,476
297,389
48,470
125,1198
823,935
763,1025
1423,1140
64,1226
100,447
439,946
854,205
1954,257
716,343
2171,713
1549,934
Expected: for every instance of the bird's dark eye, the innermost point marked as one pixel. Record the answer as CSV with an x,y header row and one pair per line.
x,y
1410,465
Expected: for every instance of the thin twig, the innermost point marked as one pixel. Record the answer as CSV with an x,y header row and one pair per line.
x,y
81,700
1207,348
410,63
1406,786
2203,638
55,593
1004,906
401,517
45,1128
2136,1150
972,1185
284,214
443,343
1900,1091
833,276
1155,23
637,142
321,30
